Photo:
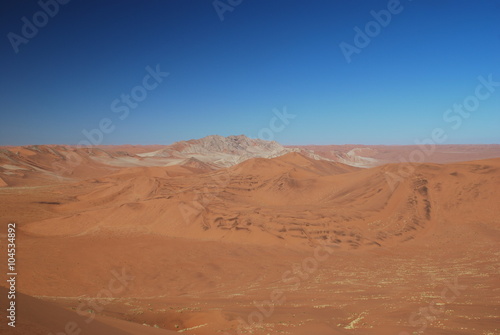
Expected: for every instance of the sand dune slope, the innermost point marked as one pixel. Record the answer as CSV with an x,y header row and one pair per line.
x,y
290,198
38,317
353,251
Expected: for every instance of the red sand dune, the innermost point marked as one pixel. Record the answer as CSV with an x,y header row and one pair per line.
x,y
286,245
38,317
374,155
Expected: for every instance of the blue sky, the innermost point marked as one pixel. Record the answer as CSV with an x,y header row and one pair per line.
x,y
228,76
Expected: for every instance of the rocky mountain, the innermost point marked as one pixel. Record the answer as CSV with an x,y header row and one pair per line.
x,y
223,151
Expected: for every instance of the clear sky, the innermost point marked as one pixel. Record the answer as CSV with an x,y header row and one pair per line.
x,y
73,72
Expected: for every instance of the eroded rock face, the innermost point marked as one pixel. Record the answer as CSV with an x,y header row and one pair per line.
x,y
232,144
240,147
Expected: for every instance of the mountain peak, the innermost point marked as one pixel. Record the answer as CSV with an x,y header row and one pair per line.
x,y
234,144
224,151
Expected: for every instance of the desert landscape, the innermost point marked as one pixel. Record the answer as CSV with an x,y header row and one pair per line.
x,y
233,235
231,167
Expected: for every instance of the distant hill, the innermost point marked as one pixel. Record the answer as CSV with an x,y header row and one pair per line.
x,y
47,164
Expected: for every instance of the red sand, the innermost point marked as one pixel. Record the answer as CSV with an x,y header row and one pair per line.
x,y
321,247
